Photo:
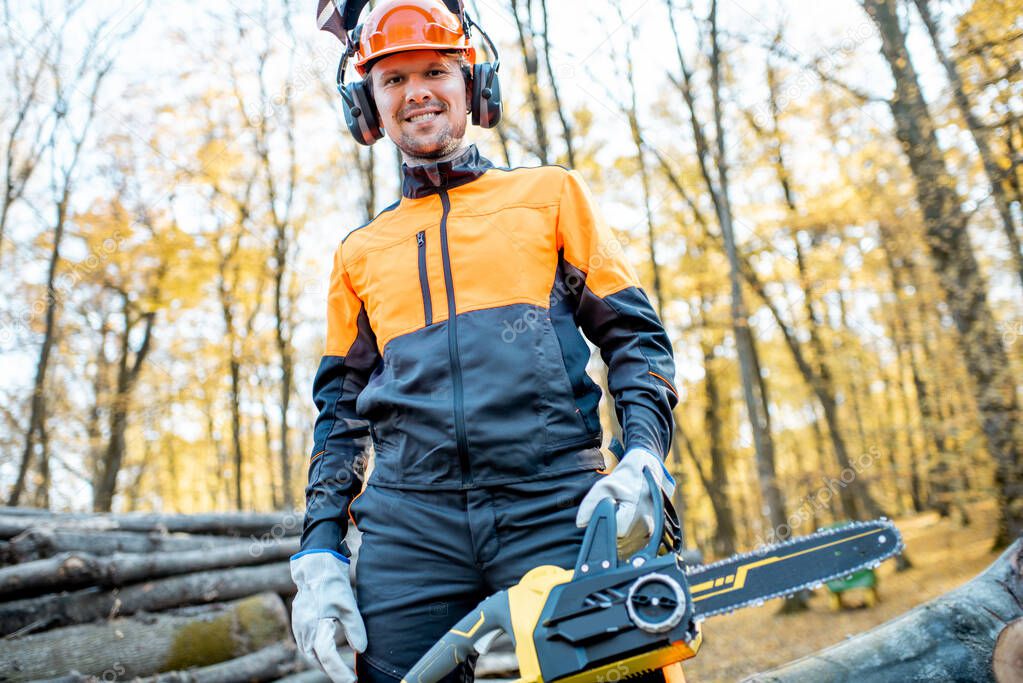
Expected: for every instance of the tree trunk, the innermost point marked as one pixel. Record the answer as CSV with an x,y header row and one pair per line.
x,y
127,378
891,432
896,329
724,531
528,49
283,338
269,664
866,499
367,170
236,426
272,524
939,491
950,638
819,382
39,543
226,292
42,493
280,202
819,375
958,272
822,383
566,125
74,570
268,443
631,111
113,455
817,506
121,649
756,403
772,506
37,410
980,136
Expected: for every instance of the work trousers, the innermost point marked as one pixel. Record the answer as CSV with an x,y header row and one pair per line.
x,y
428,557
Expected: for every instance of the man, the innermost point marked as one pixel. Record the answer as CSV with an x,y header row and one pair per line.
x,y
454,350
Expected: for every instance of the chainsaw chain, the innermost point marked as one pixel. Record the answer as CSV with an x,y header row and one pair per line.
x,y
768,549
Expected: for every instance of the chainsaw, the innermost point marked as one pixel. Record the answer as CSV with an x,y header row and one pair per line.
x,y
608,618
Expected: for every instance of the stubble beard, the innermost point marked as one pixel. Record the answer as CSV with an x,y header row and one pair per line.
x,y
446,140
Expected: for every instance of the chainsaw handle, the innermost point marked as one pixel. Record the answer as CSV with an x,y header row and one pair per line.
x,y
667,529
600,543
494,613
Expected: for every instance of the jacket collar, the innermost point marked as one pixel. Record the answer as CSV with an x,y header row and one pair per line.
x,y
420,181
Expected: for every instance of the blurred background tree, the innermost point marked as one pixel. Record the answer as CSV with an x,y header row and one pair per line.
x,y
824,204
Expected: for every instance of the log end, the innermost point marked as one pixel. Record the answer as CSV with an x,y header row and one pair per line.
x,y
1007,659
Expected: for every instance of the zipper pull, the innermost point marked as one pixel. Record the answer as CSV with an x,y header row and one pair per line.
x,y
421,237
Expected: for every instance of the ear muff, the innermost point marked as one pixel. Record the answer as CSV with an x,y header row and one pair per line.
x,y
486,96
361,113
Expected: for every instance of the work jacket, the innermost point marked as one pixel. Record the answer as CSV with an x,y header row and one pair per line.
x,y
453,340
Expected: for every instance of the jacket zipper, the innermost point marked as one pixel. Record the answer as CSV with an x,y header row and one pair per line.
x,y
456,367
424,282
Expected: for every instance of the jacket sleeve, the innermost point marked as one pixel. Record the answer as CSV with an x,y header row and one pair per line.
x,y
341,439
614,313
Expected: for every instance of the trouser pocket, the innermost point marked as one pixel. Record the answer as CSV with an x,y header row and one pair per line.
x,y
536,525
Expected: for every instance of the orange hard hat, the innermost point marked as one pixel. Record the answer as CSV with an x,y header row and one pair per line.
x,y
401,25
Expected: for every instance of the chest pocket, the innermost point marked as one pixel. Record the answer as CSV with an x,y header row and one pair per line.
x,y
402,285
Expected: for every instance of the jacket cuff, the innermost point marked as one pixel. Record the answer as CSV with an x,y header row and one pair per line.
x,y
311,551
322,534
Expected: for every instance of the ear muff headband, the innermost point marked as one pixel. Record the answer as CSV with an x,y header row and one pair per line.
x,y
486,87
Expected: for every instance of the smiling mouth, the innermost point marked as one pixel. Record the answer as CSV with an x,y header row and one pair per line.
x,y
425,116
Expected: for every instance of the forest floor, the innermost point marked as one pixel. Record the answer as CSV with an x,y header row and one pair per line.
x,y
944,555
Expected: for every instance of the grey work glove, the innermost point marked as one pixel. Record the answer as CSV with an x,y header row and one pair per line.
x,y
634,506
324,602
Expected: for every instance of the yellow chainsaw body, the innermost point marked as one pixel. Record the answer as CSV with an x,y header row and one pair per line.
x,y
527,599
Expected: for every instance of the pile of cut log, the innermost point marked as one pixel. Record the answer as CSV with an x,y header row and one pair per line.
x,y
173,598
118,597
168,597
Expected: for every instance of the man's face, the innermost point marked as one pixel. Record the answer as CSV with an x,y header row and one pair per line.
x,y
422,100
